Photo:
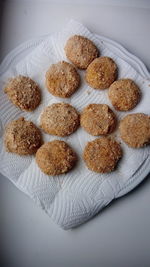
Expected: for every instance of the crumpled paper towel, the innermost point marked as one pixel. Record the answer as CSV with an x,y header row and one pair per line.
x,y
73,198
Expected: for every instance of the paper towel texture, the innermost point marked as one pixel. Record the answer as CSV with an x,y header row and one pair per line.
x,y
73,198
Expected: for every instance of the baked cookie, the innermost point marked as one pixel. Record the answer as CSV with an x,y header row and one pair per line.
x,y
81,51
62,79
135,130
98,119
124,94
23,92
22,137
55,157
101,73
102,154
59,119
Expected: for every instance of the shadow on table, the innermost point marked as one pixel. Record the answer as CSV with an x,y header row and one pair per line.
x,y
2,7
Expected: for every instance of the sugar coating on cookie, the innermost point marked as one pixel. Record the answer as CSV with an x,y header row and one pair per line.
x,y
81,51
23,92
62,79
102,154
135,130
101,73
55,157
124,94
98,119
60,119
22,137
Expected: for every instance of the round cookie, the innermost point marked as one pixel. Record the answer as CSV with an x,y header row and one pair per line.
x,y
135,130
81,51
101,73
102,154
22,137
55,157
23,92
98,119
59,119
62,79
124,94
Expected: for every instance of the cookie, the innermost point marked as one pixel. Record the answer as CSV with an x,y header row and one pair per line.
x,y
59,119
101,73
124,94
62,79
23,92
98,119
55,157
135,130
22,137
81,51
102,154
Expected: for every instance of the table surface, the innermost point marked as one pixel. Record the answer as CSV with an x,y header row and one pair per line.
x,y
120,235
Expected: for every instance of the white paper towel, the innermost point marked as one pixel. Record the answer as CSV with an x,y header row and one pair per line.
x,y
72,198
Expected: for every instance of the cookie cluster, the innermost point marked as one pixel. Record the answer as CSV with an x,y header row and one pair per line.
x,y
61,119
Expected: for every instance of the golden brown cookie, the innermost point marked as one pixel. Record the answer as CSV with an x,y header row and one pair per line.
x,y
55,157
22,137
124,94
102,154
101,73
23,92
81,51
62,79
135,130
59,119
98,119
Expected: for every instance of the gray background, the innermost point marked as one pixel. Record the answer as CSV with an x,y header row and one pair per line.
x,y
120,235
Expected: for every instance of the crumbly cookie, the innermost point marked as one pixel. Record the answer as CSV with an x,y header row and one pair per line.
x,y
55,157
124,94
23,92
62,79
98,119
101,73
135,130
59,119
81,51
102,154
22,137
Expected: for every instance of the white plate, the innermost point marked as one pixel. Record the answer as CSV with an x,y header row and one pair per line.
x,y
24,49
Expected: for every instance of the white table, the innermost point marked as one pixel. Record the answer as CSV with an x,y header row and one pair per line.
x,y
120,235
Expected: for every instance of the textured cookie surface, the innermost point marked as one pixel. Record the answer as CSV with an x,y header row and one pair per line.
x,y
135,130
81,51
55,157
102,154
22,137
62,79
59,119
124,94
23,92
101,73
98,119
